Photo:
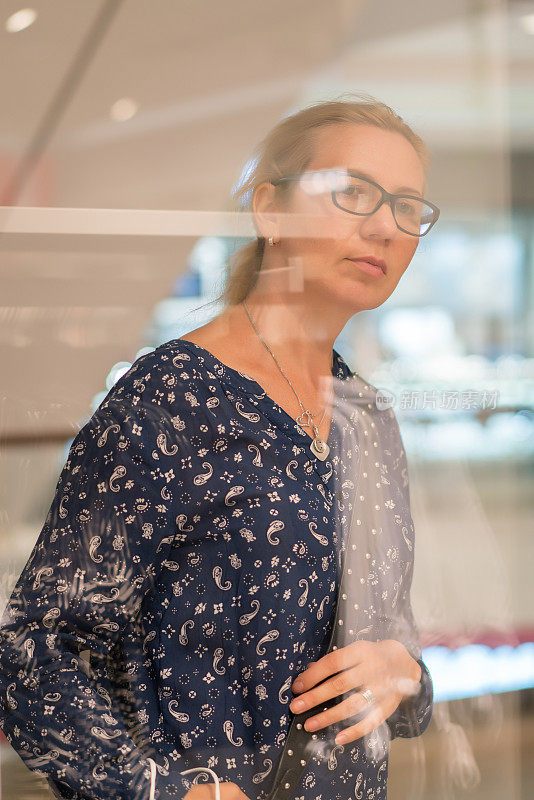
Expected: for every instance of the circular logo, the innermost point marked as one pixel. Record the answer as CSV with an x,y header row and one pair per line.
x,y
384,399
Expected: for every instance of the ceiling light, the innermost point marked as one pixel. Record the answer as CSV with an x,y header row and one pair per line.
x,y
20,20
123,109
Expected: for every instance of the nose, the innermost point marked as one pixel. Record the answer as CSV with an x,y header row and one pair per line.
x,y
381,223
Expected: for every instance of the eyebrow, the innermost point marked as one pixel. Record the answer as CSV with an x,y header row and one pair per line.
x,y
371,178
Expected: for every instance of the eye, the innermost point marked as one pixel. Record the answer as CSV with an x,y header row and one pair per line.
x,y
405,207
353,189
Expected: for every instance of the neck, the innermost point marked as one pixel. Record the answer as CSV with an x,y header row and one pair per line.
x,y
298,333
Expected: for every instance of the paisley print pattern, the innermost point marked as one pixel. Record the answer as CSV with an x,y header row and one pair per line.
x,y
186,572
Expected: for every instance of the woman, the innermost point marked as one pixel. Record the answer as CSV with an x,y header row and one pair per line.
x,y
188,568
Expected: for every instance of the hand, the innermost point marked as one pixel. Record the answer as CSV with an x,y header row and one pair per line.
x,y
385,667
206,791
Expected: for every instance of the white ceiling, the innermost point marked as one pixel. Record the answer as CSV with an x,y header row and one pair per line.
x,y
210,78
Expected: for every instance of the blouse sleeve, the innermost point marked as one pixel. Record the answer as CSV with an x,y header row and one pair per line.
x,y
412,716
110,527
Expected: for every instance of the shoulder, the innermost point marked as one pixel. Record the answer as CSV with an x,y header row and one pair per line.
x,y
163,374
377,404
161,387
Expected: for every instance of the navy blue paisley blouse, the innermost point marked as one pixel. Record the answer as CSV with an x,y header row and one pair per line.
x,y
175,592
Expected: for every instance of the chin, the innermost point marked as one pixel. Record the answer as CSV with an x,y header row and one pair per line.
x,y
361,297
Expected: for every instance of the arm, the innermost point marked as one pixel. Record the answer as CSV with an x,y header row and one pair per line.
x,y
110,527
412,716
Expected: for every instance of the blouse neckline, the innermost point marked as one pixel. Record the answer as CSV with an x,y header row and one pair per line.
x,y
273,410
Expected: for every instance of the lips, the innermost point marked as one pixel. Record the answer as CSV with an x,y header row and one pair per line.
x,y
377,262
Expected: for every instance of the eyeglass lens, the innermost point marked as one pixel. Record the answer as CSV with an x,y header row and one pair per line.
x,y
360,197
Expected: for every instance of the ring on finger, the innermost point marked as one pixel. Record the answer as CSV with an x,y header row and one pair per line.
x,y
369,696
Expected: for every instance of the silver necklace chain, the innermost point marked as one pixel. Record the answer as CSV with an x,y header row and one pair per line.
x,y
318,446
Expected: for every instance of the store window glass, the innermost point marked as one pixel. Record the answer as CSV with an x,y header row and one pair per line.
x,y
127,131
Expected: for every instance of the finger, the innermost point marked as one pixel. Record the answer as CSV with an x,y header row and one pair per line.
x,y
332,662
372,720
352,706
339,684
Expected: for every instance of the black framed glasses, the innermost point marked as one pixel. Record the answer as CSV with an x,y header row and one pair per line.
x,y
361,196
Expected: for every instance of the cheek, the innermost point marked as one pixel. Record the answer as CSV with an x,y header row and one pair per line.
x,y
328,227
406,253
324,257
318,247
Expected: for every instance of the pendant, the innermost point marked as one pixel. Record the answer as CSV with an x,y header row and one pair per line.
x,y
319,448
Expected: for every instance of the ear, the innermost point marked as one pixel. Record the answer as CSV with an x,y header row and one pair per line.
x,y
265,211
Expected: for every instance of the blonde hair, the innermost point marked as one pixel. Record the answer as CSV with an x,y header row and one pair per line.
x,y
287,149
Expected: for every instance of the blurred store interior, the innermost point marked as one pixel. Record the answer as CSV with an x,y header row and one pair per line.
x,y
154,108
